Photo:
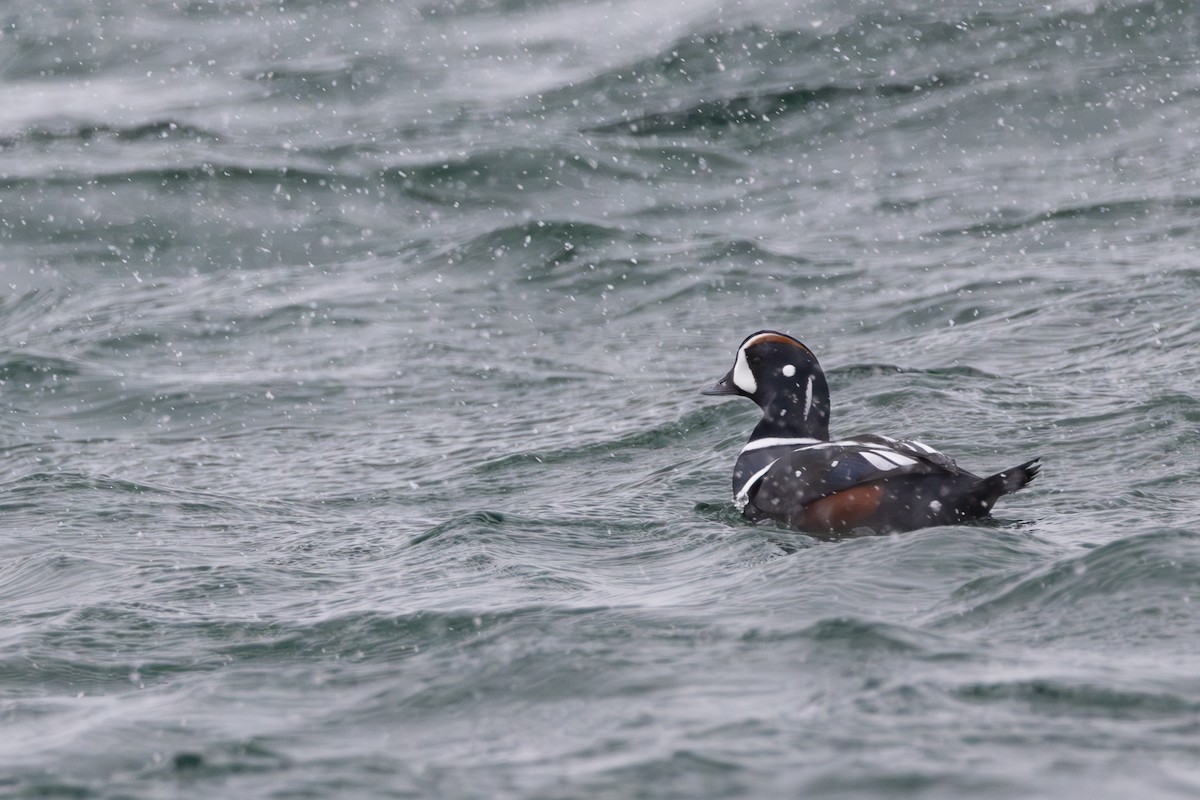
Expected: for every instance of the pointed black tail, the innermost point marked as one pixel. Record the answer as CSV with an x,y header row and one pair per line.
x,y
1009,481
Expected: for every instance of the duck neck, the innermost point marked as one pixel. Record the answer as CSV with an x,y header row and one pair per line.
x,y
800,413
781,428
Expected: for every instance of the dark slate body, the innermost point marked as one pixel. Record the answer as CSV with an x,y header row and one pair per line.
x,y
792,473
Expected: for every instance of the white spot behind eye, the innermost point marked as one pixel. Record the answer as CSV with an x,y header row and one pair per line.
x,y
789,370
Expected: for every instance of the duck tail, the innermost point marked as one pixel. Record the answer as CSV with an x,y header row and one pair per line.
x,y
1009,481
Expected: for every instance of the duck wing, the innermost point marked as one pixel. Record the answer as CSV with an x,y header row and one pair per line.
x,y
805,474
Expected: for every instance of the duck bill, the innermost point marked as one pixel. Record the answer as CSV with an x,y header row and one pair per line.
x,y
723,386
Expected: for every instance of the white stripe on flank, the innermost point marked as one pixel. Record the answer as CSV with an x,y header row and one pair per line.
x,y
877,461
899,459
778,441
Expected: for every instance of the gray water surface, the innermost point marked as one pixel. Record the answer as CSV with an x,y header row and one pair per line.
x,y
349,370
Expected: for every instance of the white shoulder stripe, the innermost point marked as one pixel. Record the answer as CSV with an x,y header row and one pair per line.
x,y
743,495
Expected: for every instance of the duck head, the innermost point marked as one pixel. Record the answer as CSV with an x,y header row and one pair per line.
x,y
781,375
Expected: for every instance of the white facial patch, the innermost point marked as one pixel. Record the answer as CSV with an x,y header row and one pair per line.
x,y
743,378
788,370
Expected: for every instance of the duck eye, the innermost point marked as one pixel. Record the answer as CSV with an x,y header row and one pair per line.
x,y
755,360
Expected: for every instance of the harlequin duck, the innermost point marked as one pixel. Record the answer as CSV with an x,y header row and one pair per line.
x,y
792,473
